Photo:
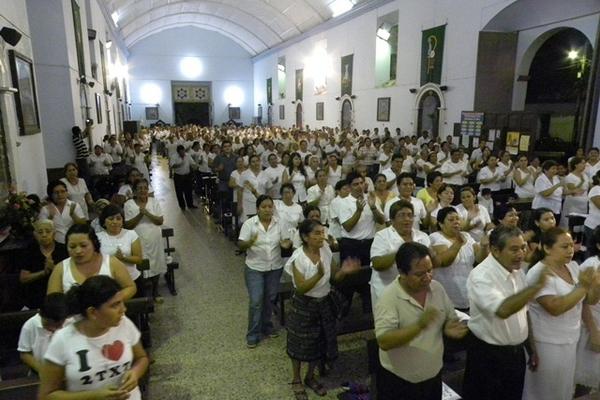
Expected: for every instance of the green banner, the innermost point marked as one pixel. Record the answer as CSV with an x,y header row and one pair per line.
x,y
269,91
299,83
346,75
432,54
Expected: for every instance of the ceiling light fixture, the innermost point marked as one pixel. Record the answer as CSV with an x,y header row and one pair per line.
x,y
339,7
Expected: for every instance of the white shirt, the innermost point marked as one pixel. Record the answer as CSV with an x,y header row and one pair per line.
x,y
487,173
591,170
554,201
185,164
560,329
106,358
390,176
449,167
527,190
34,338
270,179
289,217
364,228
334,177
124,240
388,241
99,165
335,227
418,207
62,221
308,269
325,197
593,218
483,217
265,254
488,286
454,277
77,194
115,151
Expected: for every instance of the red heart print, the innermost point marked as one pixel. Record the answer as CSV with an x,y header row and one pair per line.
x,y
113,351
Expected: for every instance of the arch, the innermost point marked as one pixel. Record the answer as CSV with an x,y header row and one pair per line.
x,y
299,115
441,115
346,112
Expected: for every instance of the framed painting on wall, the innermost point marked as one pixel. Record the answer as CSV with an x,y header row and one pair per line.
x,y
281,111
320,111
21,69
152,113
235,113
383,109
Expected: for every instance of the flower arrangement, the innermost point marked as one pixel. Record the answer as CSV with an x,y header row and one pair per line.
x,y
19,212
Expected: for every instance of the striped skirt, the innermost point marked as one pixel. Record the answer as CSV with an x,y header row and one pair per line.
x,y
311,334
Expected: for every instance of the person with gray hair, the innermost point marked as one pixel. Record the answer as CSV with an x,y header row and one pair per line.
x,y
500,332
410,317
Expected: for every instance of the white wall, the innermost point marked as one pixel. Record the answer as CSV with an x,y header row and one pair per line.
x,y
25,153
464,20
156,61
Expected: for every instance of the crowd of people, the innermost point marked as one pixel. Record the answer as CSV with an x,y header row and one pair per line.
x,y
436,227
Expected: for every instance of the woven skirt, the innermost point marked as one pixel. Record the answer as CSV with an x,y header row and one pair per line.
x,y
311,334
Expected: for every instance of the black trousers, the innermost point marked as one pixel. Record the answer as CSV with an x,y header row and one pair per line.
x,y
391,387
360,249
183,189
493,372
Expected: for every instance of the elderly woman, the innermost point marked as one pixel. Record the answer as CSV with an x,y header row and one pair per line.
x,y
38,261
456,252
77,188
100,356
62,211
556,316
144,215
261,238
311,325
123,244
507,216
85,261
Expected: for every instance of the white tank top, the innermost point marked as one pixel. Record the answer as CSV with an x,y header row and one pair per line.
x,y
68,280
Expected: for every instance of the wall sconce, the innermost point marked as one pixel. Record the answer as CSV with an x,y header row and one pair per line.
x,y
108,92
293,101
353,96
443,88
412,90
91,34
83,80
338,98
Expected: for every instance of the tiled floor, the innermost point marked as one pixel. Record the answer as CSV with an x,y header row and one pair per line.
x,y
198,336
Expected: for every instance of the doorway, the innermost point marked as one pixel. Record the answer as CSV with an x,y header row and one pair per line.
x,y
299,116
192,113
429,113
346,115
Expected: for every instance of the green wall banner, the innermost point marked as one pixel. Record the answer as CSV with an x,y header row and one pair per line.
x,y
432,54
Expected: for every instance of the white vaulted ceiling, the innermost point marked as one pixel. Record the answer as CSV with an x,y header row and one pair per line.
x,y
256,25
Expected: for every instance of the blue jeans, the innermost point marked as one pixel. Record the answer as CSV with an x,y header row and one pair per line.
x,y
262,291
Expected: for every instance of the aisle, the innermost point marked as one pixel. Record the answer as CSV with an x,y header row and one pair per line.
x,y
198,336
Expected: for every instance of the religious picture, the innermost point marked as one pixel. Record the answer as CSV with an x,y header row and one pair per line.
x,y
270,91
281,81
383,109
299,83
432,53
346,74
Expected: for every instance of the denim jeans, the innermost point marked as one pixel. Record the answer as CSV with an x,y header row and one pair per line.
x,y
262,291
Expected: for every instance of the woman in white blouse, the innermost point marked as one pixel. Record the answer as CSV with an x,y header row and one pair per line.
x,y
261,239
587,368
474,217
456,252
311,334
548,189
62,211
348,154
77,188
296,174
576,188
523,178
288,212
321,194
556,317
334,171
123,244
593,218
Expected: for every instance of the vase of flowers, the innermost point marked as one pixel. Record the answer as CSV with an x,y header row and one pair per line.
x,y
18,212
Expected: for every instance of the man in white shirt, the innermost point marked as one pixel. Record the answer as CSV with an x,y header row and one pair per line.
x,y
477,154
405,186
99,162
393,172
270,178
181,165
114,150
264,157
454,170
498,298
